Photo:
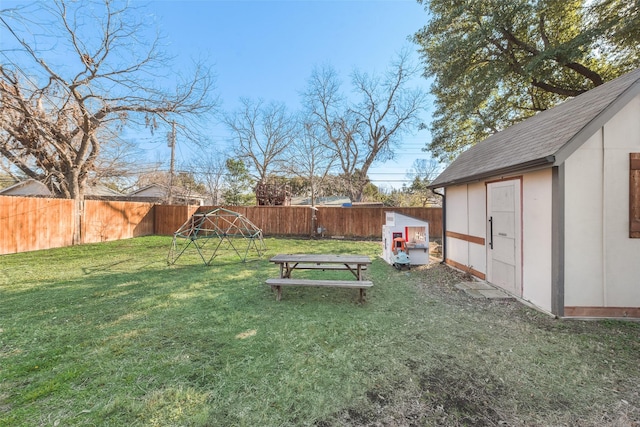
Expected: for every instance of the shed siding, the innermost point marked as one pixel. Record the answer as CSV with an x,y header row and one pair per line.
x,y
466,213
583,225
457,211
601,261
622,269
536,238
478,225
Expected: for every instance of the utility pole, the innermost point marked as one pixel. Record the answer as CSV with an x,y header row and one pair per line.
x,y
172,144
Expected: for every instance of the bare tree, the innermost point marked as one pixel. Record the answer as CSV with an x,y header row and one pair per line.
x,y
100,73
211,168
117,165
367,130
331,121
311,160
422,172
263,132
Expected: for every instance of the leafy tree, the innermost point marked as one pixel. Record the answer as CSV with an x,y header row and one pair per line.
x,y
372,193
420,194
367,129
619,24
497,62
298,185
187,181
237,182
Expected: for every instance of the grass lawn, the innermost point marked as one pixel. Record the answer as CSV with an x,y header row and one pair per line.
x,y
109,335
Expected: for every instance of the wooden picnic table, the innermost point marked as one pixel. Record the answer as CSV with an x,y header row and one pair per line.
x,y
355,264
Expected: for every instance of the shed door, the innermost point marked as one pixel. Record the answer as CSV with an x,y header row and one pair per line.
x,y
504,254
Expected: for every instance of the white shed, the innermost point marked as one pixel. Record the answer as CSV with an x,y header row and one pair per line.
x,y
413,231
549,209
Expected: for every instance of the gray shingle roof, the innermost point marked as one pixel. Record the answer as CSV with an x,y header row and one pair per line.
x,y
545,139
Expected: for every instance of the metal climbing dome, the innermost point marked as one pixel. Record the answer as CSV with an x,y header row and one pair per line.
x,y
218,229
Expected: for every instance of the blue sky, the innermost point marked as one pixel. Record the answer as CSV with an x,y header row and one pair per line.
x,y
267,49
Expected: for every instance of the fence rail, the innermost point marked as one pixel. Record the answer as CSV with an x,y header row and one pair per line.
x,y
33,223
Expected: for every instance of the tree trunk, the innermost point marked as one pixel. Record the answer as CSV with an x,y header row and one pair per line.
x,y
77,195
78,213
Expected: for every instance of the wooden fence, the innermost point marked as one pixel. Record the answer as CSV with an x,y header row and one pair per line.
x,y
364,222
33,223
29,223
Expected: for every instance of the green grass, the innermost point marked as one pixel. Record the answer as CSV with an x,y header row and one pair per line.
x,y
110,335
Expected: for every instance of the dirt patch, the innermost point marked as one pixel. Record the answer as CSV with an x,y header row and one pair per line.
x,y
442,396
4,406
472,382
461,395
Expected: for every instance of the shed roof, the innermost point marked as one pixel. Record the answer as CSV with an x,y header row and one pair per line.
x,y
545,139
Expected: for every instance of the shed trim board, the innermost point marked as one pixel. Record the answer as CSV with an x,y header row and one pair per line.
x,y
634,195
557,241
480,275
473,239
576,255
609,312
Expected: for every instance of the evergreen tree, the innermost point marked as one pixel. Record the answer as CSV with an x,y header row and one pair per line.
x,y
496,62
237,182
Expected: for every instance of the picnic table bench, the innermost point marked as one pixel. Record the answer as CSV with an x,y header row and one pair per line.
x,y
355,264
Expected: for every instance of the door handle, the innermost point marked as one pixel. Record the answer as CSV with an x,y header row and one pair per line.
x,y
491,232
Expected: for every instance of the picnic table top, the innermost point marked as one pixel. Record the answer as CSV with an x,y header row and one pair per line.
x,y
322,258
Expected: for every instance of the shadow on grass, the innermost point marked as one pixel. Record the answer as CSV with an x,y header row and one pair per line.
x,y
125,337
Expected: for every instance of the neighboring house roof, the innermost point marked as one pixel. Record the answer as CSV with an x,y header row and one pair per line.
x,y
160,192
100,190
321,201
29,187
545,139
151,190
32,187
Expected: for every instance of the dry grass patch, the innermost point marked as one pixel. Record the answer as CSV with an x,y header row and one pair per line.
x,y
477,362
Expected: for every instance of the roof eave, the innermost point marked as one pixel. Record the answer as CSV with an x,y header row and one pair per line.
x,y
597,122
530,166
